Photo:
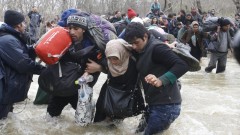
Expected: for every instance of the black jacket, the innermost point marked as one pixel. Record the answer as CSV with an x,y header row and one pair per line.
x,y
125,82
158,59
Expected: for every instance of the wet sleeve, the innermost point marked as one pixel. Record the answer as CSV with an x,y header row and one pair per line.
x,y
163,55
168,78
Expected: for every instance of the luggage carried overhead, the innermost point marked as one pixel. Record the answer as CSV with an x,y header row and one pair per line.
x,y
100,29
53,45
210,24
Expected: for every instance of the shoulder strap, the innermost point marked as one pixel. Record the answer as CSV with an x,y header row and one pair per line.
x,y
133,58
137,83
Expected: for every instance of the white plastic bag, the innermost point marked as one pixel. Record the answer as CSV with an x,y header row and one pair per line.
x,y
85,107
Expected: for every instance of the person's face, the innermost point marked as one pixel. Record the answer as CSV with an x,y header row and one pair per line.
x,y
180,13
160,19
114,60
195,28
21,27
179,26
188,17
118,14
154,20
226,28
213,12
76,33
138,43
34,9
194,10
204,15
188,26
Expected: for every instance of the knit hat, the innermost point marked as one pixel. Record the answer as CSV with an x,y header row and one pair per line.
x,y
194,23
224,22
131,13
13,18
78,21
65,15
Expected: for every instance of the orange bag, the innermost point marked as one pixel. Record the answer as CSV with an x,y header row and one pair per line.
x,y
53,45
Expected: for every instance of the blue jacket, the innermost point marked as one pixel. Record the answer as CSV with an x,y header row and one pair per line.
x,y
17,66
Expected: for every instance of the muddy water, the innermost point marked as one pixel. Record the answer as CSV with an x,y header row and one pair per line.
x,y
211,106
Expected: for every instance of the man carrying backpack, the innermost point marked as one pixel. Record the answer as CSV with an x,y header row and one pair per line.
x,y
159,68
221,40
84,52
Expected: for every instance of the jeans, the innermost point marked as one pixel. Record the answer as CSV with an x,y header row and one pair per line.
x,y
160,117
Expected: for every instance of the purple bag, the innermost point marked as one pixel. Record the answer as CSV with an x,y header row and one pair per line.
x,y
100,29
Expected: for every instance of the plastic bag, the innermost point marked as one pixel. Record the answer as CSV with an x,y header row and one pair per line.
x,y
85,107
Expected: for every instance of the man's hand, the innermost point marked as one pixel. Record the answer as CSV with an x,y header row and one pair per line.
x,y
93,67
153,80
85,74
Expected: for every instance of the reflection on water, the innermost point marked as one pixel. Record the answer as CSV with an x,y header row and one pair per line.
x,y
211,106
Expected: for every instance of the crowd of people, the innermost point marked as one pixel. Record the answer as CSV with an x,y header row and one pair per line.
x,y
140,54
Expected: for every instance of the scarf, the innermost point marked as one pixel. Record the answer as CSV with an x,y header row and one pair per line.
x,y
121,49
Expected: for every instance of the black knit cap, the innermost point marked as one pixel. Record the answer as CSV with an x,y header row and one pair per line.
x,y
13,18
225,22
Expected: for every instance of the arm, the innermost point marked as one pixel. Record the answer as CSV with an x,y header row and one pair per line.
x,y
184,37
177,67
99,65
180,33
93,67
214,35
16,58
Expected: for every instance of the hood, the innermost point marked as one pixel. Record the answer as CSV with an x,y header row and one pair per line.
x,y
8,29
4,28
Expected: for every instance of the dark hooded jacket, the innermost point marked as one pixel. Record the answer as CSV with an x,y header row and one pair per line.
x,y
17,66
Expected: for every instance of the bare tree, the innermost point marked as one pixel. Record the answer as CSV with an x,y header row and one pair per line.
x,y
237,4
165,5
199,6
50,8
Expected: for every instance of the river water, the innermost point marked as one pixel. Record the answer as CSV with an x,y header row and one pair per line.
x,y
211,106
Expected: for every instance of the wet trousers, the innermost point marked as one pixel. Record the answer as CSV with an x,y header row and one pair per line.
x,y
160,117
56,104
5,109
220,59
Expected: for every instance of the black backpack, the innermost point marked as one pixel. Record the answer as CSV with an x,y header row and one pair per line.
x,y
59,79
